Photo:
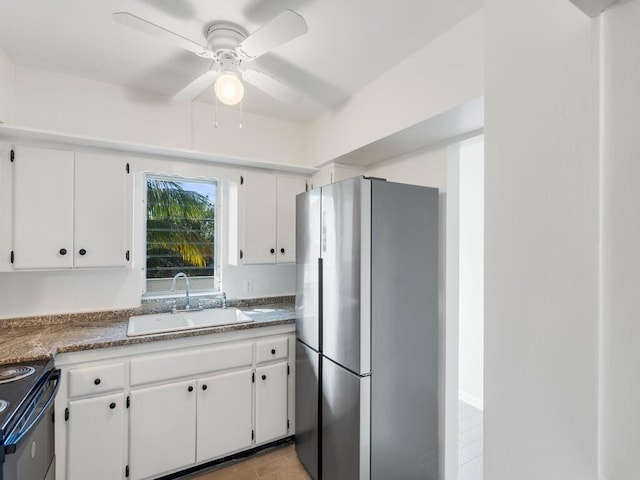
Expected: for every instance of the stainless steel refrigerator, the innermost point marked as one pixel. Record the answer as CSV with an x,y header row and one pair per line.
x,y
367,331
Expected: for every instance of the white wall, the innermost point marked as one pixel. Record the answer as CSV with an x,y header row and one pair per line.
x,y
620,364
59,102
471,276
428,168
6,88
541,241
444,74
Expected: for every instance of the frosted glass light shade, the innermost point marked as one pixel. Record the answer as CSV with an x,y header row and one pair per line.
x,y
229,89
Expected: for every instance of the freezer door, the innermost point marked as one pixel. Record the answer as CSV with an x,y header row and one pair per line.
x,y
307,411
345,247
346,413
307,265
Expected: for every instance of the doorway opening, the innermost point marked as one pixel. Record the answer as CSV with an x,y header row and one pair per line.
x,y
464,337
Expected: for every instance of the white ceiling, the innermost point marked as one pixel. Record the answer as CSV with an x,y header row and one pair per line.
x,y
349,44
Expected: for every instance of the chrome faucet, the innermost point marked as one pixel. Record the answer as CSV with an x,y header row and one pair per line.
x,y
186,286
224,299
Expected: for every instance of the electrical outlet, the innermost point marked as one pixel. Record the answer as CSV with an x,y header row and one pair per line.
x,y
248,286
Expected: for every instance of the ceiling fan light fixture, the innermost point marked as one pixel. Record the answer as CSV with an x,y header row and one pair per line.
x,y
229,88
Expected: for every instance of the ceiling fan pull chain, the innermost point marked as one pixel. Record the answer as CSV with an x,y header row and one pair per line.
x,y
215,123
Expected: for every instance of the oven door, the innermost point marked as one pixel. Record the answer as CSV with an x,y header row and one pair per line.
x,y
29,447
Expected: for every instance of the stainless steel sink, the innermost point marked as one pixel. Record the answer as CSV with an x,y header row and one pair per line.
x,y
185,320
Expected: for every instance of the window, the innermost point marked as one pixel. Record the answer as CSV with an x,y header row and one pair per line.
x,y
181,232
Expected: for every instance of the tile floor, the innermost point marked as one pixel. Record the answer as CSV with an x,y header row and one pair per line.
x,y
277,463
281,463
470,442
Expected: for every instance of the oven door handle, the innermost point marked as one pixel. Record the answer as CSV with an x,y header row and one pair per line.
x,y
54,375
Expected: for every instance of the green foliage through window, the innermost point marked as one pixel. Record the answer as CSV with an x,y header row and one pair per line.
x,y
180,227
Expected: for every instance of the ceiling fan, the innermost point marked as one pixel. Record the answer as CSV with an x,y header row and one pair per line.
x,y
230,48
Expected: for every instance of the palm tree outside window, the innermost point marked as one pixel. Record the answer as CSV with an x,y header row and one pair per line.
x,y
181,232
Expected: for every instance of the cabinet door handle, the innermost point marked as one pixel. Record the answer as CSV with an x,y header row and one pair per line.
x,y
264,377
273,351
97,381
204,387
190,389
273,250
63,251
82,251
282,251
112,405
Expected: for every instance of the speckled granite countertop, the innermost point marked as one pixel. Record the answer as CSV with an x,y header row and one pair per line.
x,y
23,340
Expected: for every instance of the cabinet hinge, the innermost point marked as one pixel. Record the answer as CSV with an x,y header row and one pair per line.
x,y
253,377
13,256
253,434
66,414
128,401
127,168
241,180
13,155
241,254
126,471
126,255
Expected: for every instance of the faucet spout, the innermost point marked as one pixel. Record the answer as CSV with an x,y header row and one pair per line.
x,y
186,286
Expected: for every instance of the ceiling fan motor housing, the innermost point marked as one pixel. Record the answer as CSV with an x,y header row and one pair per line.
x,y
225,36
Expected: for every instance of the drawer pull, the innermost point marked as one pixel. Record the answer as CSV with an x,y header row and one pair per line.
x,y
112,405
264,377
204,387
97,381
190,389
273,351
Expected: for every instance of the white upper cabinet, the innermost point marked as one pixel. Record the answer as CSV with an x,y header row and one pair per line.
x,y
268,217
334,172
101,233
70,209
42,208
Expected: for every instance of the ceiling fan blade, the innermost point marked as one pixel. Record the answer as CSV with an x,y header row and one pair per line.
x,y
142,25
278,31
271,86
198,86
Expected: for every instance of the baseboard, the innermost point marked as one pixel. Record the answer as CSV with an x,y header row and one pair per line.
x,y
471,400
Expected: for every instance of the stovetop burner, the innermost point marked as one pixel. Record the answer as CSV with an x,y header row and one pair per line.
x,y
3,405
11,374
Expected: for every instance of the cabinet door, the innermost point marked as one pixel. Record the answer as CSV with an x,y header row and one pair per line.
x,y
287,189
271,402
95,438
42,208
162,429
101,210
258,194
224,414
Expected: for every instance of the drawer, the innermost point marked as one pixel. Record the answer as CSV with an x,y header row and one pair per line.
x,y
272,349
168,366
98,379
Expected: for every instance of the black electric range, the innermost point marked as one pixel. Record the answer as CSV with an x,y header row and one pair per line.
x,y
27,393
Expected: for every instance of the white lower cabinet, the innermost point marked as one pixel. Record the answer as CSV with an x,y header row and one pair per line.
x,y
162,429
94,438
224,414
210,401
271,402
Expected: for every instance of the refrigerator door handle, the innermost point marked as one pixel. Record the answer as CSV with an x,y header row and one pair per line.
x,y
323,241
